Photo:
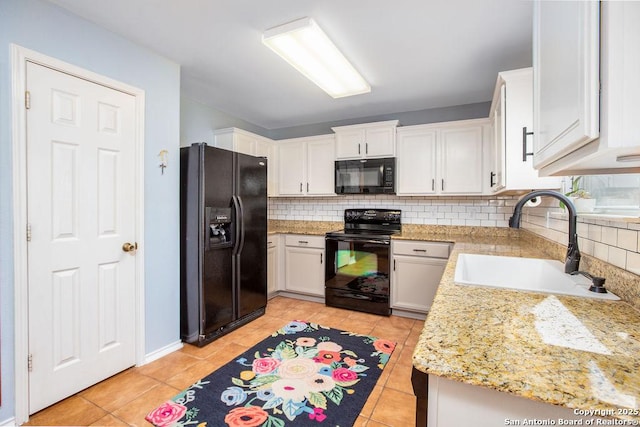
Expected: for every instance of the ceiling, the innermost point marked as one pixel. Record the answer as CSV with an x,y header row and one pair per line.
x,y
416,54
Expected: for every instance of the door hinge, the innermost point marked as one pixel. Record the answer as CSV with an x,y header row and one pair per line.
x,y
27,100
28,232
30,362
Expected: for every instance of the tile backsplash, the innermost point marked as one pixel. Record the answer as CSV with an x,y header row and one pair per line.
x,y
486,211
615,242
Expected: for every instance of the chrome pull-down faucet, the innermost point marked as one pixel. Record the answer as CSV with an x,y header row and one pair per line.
x,y
572,260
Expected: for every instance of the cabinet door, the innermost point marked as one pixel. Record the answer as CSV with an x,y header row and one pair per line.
x,y
273,171
416,162
461,160
566,77
415,282
321,155
380,142
350,144
244,144
304,270
262,148
499,142
272,269
291,166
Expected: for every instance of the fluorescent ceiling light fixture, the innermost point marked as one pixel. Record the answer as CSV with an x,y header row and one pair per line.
x,y
308,49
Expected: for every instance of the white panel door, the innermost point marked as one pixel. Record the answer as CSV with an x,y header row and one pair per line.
x,y
81,209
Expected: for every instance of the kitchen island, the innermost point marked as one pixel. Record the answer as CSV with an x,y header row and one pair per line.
x,y
577,353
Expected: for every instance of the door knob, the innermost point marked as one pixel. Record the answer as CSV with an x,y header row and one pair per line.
x,y
128,247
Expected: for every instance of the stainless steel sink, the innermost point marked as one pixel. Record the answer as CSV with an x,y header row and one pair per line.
x,y
527,274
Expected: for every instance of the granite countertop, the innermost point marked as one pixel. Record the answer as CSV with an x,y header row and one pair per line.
x,y
575,352
310,228
570,351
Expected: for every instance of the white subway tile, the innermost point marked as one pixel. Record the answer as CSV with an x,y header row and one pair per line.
x,y
633,262
628,239
601,251
609,236
617,257
595,233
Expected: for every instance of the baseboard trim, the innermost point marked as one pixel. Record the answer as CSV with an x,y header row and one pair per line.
x,y
161,352
9,422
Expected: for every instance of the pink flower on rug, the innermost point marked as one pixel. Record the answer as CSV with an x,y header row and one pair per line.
x,y
329,346
344,375
265,365
246,416
318,415
166,414
385,346
306,342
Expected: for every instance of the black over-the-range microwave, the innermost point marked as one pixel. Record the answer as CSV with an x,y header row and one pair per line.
x,y
366,176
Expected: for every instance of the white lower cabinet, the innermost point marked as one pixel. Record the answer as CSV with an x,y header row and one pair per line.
x,y
304,264
454,404
273,266
417,270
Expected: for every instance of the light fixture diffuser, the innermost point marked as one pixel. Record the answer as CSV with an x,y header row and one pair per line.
x,y
308,49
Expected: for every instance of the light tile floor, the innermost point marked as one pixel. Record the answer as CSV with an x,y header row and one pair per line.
x,y
126,398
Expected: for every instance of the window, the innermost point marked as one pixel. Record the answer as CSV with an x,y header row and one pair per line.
x,y
614,194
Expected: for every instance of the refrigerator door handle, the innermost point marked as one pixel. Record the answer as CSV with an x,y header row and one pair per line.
x,y
237,210
241,245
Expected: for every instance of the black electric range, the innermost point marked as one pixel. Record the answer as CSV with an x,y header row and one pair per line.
x,y
357,271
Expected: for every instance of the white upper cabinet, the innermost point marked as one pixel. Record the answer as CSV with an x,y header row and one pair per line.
x,y
511,117
586,87
366,140
416,160
241,141
442,158
306,166
461,151
565,60
244,142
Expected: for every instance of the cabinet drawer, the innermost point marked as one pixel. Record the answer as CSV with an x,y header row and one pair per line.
x,y
272,240
424,249
304,241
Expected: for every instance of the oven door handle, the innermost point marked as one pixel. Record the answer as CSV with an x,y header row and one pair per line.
x,y
356,296
348,239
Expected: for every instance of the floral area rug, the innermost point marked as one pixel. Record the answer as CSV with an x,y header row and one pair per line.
x,y
304,374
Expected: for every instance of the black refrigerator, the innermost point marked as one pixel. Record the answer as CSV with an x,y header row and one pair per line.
x,y
223,233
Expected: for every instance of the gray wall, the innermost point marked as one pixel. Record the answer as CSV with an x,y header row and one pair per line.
x,y
197,121
50,30
409,118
